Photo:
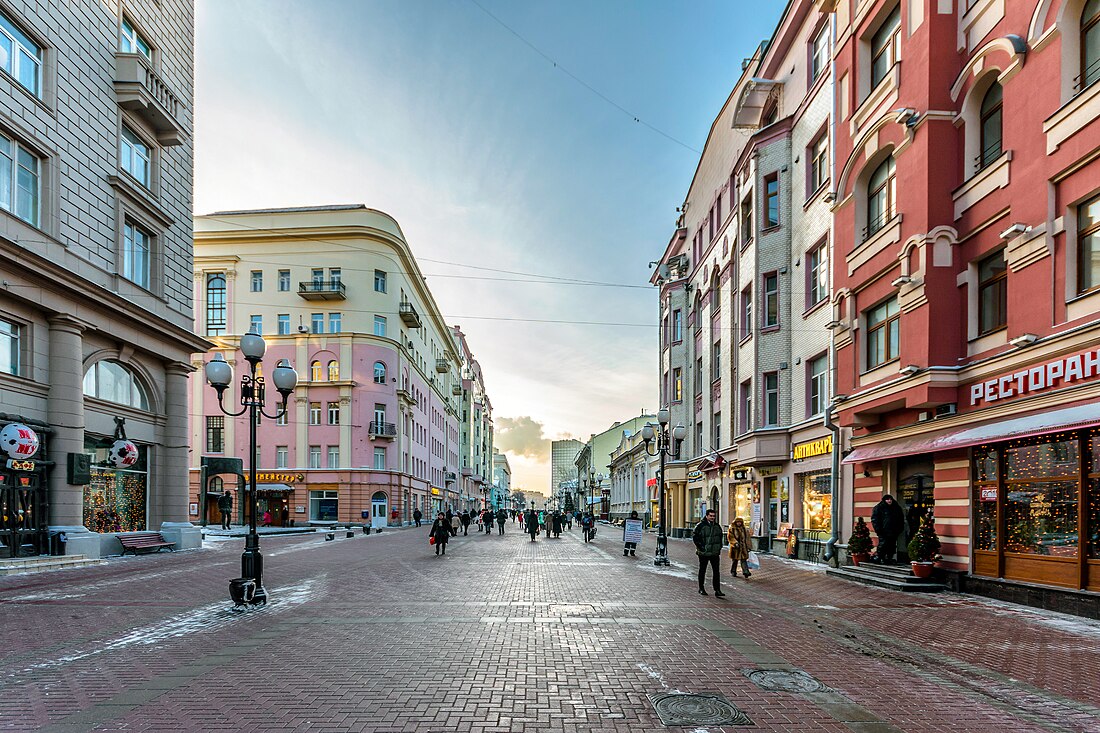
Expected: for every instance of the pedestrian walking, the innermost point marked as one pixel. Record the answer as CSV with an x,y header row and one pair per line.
x,y
587,526
738,537
888,522
502,518
630,547
466,519
456,523
708,546
417,516
267,518
225,506
441,531
557,521
532,524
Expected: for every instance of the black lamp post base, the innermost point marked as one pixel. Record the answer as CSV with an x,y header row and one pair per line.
x,y
245,592
660,558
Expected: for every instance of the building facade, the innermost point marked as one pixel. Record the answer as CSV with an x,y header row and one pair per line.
x,y
374,430
633,479
475,486
95,245
593,465
563,472
502,481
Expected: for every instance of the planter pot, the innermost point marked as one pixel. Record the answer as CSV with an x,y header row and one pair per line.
x,y
922,569
858,558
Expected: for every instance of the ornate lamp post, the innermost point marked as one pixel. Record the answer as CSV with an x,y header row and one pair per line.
x,y
667,443
249,587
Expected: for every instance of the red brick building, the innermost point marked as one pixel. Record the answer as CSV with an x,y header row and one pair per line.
x,y
967,277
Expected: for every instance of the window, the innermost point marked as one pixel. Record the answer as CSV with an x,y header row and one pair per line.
x,y
379,281
771,201
380,415
334,274
379,373
314,457
677,325
19,171
136,255
1040,495
130,41
314,413
135,156
282,417
677,384
771,300
20,57
699,375
886,47
317,277
818,370
717,431
880,196
990,126
698,437
819,162
882,333
819,53
215,304
334,456
380,326
992,293
746,312
282,456
745,406
284,324
256,325
746,220
334,413
317,323
215,434
323,505
771,399
315,372
379,459
334,371
256,281
1090,43
1088,245
334,322
817,274
284,281
716,361
9,347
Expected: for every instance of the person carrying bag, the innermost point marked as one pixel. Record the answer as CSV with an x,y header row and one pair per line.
x,y
738,537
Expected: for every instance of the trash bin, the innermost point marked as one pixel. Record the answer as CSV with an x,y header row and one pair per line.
x,y
57,543
242,590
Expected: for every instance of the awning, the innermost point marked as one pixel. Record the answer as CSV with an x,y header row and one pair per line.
x,y
712,462
594,500
1069,418
274,489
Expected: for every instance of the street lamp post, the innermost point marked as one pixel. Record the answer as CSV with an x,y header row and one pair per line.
x,y
249,588
667,442
595,483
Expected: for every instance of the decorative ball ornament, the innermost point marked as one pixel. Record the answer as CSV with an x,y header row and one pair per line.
x,y
18,441
123,454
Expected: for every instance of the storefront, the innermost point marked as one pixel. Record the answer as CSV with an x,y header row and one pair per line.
x,y
23,472
116,499
813,483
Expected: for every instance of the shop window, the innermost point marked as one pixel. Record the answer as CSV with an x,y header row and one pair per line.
x,y
215,304
1040,501
985,470
116,499
817,501
112,381
992,293
1092,502
989,126
883,333
1088,245
323,505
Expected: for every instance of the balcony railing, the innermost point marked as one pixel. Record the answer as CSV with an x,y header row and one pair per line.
x,y
449,477
987,156
408,314
322,290
442,366
877,224
140,89
382,429
456,389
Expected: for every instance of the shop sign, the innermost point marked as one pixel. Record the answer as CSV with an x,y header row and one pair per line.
x,y
694,475
740,474
21,465
989,493
769,470
18,440
279,478
193,509
1060,372
650,482
299,510
812,448
435,491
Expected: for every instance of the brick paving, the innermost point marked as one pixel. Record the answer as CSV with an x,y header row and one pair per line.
x,y
375,633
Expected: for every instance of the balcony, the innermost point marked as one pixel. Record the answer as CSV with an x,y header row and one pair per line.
x,y
449,477
323,290
408,314
442,366
406,396
382,430
141,90
467,471
456,389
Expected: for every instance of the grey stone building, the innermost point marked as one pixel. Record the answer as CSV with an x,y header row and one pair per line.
x,y
95,253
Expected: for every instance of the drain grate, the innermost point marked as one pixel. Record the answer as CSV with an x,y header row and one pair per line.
x,y
689,709
784,680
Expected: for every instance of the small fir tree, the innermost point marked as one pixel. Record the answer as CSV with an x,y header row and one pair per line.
x,y
860,541
925,544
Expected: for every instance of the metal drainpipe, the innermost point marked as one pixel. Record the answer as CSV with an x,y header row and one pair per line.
x,y
834,474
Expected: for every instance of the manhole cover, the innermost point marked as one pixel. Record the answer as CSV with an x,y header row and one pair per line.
x,y
684,709
784,680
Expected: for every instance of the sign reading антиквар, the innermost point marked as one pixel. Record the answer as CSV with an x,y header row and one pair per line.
x,y
1060,372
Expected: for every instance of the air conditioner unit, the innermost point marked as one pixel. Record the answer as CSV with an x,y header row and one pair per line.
x,y
949,409
303,329
923,416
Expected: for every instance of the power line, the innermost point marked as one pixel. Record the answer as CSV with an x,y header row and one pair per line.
x,y
582,82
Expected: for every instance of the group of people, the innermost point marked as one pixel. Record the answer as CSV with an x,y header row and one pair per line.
x,y
553,522
447,525
708,538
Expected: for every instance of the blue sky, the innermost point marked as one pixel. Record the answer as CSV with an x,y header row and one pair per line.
x,y
488,155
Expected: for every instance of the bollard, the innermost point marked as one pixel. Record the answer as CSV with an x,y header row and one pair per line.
x,y
330,536
350,534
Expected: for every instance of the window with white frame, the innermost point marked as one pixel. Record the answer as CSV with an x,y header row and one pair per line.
x,y
135,156
334,413
10,351
886,46
746,312
282,456
283,324
256,281
380,459
380,326
717,431
334,275
284,281
819,162
334,322
283,417
333,370
744,405
115,382
883,333
316,372
20,57
19,180
819,53
323,505
130,41
379,373
677,384
256,325
817,274
334,456
317,322
314,413
818,370
771,300
215,304
315,456
136,254
379,281
677,325
771,399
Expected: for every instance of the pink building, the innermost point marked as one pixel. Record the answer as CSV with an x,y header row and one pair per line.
x,y
372,433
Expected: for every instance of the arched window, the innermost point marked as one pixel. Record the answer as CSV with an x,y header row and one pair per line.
x,y
215,304
379,373
880,196
112,381
334,371
315,372
990,125
1090,43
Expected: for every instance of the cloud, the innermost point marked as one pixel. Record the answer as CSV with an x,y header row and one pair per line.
x,y
521,436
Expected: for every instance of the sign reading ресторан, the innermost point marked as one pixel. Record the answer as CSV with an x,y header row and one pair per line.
x,y
1059,372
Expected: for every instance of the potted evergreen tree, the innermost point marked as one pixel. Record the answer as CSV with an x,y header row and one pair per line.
x,y
859,544
924,548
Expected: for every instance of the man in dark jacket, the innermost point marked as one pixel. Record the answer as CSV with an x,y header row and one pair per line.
x,y
417,516
466,523
502,518
708,538
888,522
225,506
532,520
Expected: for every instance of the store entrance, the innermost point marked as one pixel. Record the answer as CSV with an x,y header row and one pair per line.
x,y
916,489
22,515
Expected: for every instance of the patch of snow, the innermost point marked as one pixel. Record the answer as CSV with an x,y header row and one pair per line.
x,y
824,607
654,674
1076,625
47,596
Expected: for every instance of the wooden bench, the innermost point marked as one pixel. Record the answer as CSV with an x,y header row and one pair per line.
x,y
144,541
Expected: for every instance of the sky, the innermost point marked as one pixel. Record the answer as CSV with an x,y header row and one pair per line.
x,y
522,147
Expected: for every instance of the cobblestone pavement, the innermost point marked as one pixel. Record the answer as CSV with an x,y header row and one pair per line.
x,y
376,633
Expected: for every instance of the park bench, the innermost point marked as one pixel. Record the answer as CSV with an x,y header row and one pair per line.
x,y
144,541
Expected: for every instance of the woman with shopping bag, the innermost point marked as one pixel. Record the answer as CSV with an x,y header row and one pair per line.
x,y
738,537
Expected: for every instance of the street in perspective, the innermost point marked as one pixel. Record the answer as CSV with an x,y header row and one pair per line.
x,y
420,366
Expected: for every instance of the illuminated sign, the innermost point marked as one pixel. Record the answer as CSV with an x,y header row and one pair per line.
x,y
694,475
280,478
21,465
1058,373
812,448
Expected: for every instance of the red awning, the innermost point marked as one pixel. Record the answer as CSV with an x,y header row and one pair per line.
x,y
1069,418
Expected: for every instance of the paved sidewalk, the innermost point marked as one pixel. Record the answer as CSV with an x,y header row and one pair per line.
x,y
376,633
